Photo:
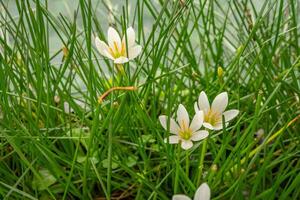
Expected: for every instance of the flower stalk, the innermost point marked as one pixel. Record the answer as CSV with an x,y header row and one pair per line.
x,y
187,163
177,171
201,160
105,94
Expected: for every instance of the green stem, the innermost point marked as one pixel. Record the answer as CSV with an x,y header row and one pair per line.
x,y
202,155
187,163
110,136
109,168
177,171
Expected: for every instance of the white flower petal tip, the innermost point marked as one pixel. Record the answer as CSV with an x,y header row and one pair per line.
x,y
220,103
185,133
180,197
213,114
203,102
203,192
186,144
133,52
130,36
197,121
183,116
230,114
173,125
120,51
113,37
102,48
163,120
199,135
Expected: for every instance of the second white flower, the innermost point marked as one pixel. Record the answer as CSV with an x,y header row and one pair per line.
x,y
184,131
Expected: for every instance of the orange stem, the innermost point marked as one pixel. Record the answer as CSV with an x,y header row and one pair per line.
x,y
105,94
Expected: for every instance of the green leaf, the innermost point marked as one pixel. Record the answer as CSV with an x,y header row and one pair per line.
x,y
114,165
46,180
131,161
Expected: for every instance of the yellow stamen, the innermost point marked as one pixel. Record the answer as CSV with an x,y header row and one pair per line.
x,y
212,117
116,46
123,49
185,132
111,52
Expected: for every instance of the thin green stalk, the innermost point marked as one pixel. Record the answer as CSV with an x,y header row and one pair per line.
x,y
177,170
110,136
109,168
201,160
187,163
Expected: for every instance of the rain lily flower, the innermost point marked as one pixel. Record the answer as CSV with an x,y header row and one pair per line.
x,y
213,114
184,132
116,49
202,193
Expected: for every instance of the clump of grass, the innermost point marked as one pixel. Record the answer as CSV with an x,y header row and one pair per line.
x,y
58,142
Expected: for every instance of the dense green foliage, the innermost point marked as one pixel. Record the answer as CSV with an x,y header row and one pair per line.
x,y
58,142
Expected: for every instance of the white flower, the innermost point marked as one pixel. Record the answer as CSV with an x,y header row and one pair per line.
x,y
116,49
184,132
213,114
202,193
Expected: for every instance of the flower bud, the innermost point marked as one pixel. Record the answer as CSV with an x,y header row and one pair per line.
x,y
220,72
56,99
214,168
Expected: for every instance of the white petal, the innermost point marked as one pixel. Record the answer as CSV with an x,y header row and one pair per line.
x,y
174,128
199,135
220,102
203,102
130,37
230,114
218,126
208,125
121,60
134,51
197,121
113,37
67,108
173,139
182,117
180,197
102,48
186,144
203,192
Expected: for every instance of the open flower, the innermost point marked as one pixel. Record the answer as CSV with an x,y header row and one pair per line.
x,y
213,114
202,193
184,132
116,49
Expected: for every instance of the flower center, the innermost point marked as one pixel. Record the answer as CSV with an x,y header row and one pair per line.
x,y
115,52
185,132
212,117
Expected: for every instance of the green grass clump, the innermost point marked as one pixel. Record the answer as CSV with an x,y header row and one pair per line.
x,y
58,142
